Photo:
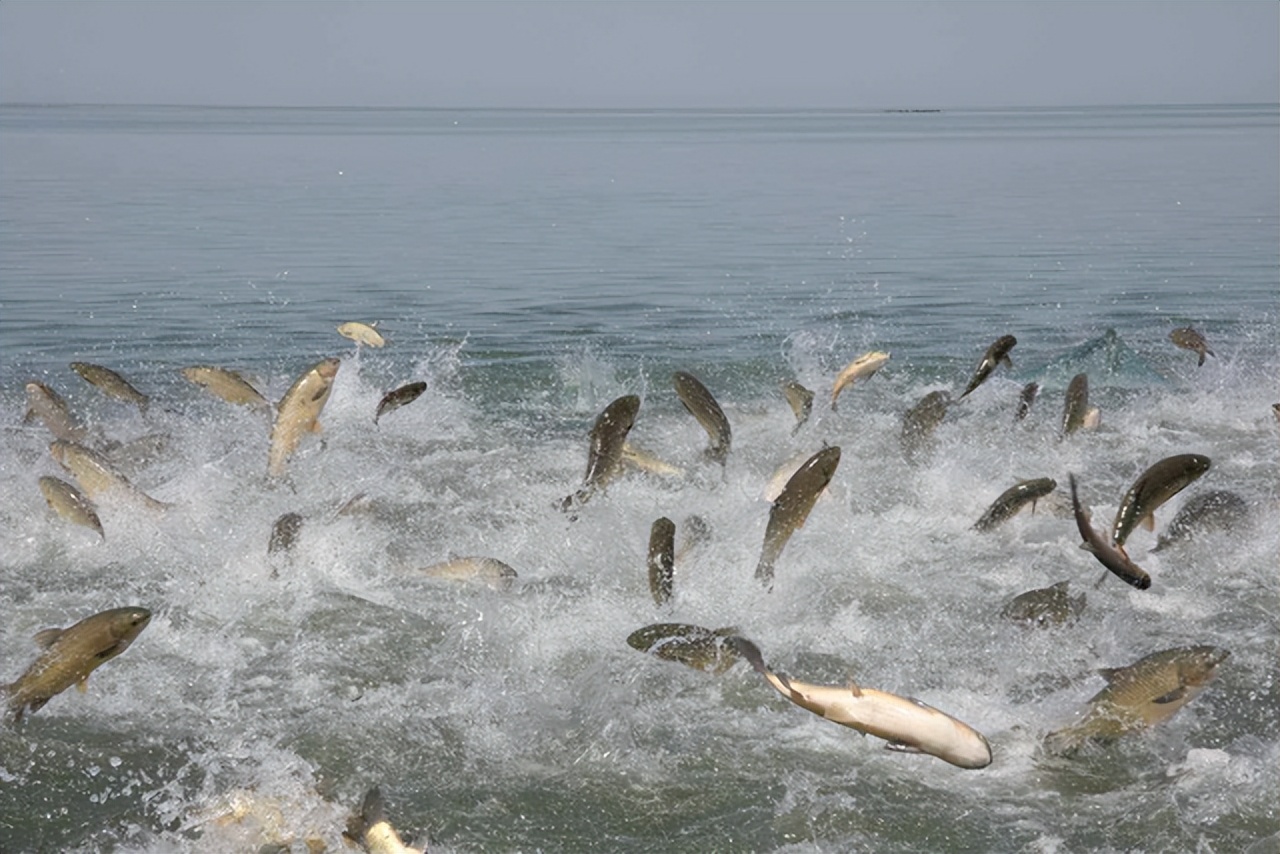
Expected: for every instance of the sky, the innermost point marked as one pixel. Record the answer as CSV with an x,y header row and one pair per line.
x,y
598,54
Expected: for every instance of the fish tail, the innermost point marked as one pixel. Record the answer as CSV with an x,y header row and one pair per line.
x,y
750,652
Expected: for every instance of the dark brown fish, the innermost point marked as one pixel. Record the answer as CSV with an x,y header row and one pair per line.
x,y
1014,499
792,507
1189,339
708,650
919,423
1217,510
1154,487
997,353
71,504
1110,556
399,397
1025,399
662,547
1076,405
800,399
1045,606
284,533
608,439
702,405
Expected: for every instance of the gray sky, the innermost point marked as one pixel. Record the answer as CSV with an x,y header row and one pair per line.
x,y
648,54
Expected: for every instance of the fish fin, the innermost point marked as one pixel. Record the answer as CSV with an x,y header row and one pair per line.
x,y
727,631
29,416
854,688
1061,585
1200,363
1149,521
315,427
901,747
1006,361
83,685
36,705
1110,673
47,637
751,653
1173,696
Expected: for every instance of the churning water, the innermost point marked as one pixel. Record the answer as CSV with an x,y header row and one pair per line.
x,y
532,266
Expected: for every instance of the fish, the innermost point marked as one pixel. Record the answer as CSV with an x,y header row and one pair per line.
x,y
96,476
361,333
1154,487
702,406
284,533
800,399
694,531
920,421
1209,511
371,830
1189,339
996,354
1025,399
604,458
792,507
662,547
111,384
485,570
299,412
647,462
908,725
71,504
708,650
397,398
1075,407
861,368
47,405
1044,606
1014,499
1144,694
778,480
227,385
1110,556
70,655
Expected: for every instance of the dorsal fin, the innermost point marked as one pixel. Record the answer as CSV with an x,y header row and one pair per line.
x,y
47,637
1110,673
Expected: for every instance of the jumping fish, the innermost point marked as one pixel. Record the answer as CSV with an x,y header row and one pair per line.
x,y
1014,499
1044,606
485,570
227,385
647,462
998,352
792,507
1075,407
371,830
860,368
361,333
778,480
694,531
1110,556
708,650
47,405
96,476
70,655
1145,693
1189,339
399,397
111,384
299,412
71,504
1154,487
920,421
1025,399
800,399
1209,511
284,533
908,725
702,405
608,437
662,548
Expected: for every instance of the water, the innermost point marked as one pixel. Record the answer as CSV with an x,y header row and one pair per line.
x,y
532,266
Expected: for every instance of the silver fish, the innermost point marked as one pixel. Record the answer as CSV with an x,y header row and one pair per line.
x,y
111,384
792,507
1014,499
1145,693
863,367
1154,487
662,547
96,476
1109,555
708,650
996,354
1189,339
226,385
47,405
397,398
299,412
800,399
608,438
1217,510
1044,606
485,570
71,654
908,725
71,504
1075,406
702,406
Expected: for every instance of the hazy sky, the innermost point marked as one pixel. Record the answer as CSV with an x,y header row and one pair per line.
x,y
645,54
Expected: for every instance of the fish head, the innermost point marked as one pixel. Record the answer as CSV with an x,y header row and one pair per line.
x,y
125,624
1198,666
328,369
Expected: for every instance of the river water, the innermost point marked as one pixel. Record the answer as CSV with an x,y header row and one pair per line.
x,y
532,266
